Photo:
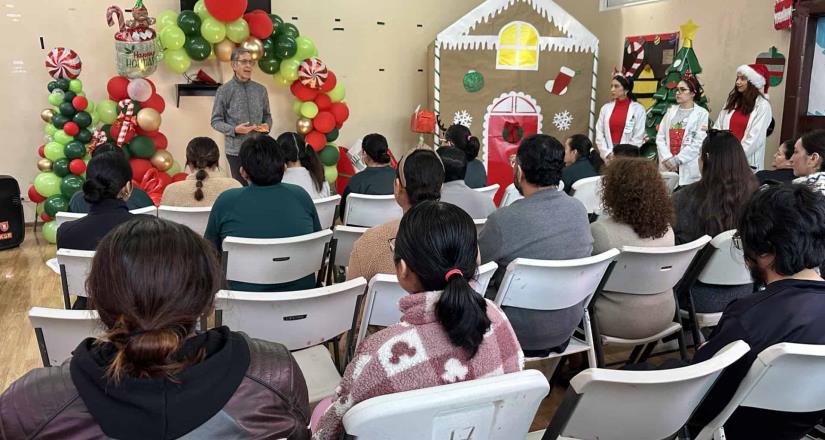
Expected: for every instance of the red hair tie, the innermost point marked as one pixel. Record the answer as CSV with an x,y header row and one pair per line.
x,y
452,272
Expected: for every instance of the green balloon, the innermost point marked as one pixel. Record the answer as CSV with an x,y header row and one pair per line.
x,y
84,136
47,184
61,167
76,86
49,230
52,85
90,105
107,111
56,203
200,9
289,29
39,208
55,99
213,30
174,169
126,153
172,37
331,174
197,48
269,47
269,65
329,155
59,120
136,108
289,69
63,84
167,18
82,119
332,136
95,119
306,48
309,110
54,151
296,106
50,129
70,185
338,93
237,31
189,23
277,22
74,150
62,138
177,60
285,47
69,96
142,146
67,109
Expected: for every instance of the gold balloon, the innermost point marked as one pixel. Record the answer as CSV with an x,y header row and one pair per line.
x,y
304,125
44,165
162,160
46,115
254,46
223,50
148,119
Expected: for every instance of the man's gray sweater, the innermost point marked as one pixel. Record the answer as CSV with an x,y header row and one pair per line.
x,y
238,102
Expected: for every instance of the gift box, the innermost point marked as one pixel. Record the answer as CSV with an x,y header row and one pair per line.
x,y
423,121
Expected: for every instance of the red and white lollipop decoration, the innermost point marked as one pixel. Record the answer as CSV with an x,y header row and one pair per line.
x,y
63,63
313,73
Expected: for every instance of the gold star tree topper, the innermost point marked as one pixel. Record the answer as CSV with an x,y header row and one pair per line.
x,y
689,30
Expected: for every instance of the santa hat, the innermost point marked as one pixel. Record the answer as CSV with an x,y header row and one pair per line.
x,y
757,74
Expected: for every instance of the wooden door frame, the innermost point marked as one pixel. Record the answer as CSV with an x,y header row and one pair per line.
x,y
800,63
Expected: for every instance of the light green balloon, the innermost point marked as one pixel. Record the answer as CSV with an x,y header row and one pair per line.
x,y
213,30
54,151
309,109
40,208
76,86
90,107
338,93
107,111
55,99
331,173
166,18
177,60
280,80
50,231
296,107
306,47
95,120
174,169
289,69
237,31
61,137
172,37
47,184
200,9
50,129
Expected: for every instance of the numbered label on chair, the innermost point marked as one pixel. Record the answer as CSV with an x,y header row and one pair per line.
x,y
467,424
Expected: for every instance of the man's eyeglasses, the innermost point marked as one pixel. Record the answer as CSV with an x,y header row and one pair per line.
x,y
244,62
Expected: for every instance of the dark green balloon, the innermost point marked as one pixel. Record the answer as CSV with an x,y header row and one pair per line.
x,y
269,47
126,152
289,29
142,146
269,65
197,48
52,85
61,167
84,135
67,109
277,22
285,47
69,96
74,150
332,136
56,203
70,185
58,120
134,112
329,155
106,129
63,84
189,23
82,119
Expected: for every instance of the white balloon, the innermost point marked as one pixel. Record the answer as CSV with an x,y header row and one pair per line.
x,y
139,89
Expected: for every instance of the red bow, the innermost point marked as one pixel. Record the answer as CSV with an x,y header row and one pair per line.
x,y
512,132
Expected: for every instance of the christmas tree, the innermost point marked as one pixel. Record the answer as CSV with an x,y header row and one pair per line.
x,y
685,64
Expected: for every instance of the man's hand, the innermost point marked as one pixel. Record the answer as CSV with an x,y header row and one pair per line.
x,y
263,128
244,128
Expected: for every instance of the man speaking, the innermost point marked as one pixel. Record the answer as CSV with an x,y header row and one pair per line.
x,y
241,109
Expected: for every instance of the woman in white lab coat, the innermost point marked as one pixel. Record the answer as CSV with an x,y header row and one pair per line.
x,y
622,120
747,113
682,131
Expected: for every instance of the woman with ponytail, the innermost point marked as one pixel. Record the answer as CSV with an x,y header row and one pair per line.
x,y
448,331
460,137
622,120
303,168
152,375
581,161
205,182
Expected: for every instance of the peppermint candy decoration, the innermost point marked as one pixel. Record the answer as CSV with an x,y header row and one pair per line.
x,y
63,63
313,73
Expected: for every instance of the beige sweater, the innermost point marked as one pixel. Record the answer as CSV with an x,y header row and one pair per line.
x,y
182,194
371,254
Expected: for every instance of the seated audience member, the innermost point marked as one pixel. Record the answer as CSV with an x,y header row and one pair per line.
x,y
456,191
713,205
808,158
137,198
266,208
581,160
460,137
548,225
626,150
638,213
151,375
782,171
378,177
419,178
303,168
205,183
781,234
455,334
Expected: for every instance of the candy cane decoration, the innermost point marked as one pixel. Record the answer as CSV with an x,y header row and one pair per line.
x,y
127,120
98,138
114,10
639,49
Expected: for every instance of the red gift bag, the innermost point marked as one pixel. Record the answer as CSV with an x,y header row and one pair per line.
x,y
423,121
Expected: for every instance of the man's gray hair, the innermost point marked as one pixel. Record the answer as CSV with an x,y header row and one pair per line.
x,y
237,52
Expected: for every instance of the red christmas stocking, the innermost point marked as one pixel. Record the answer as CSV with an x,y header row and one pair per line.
x,y
559,85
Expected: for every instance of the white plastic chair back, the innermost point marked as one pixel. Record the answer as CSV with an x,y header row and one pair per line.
x,y
489,191
346,237
326,210
651,270
59,332
274,260
298,319
194,218
561,186
671,180
496,408
616,404
784,377
727,264
484,276
511,194
480,222
147,210
63,217
74,269
588,191
368,210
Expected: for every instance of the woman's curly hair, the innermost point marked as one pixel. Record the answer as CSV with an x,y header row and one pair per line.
x,y
635,194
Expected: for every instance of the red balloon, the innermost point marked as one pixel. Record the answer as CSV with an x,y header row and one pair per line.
x,y
303,92
45,217
180,176
142,132
35,196
71,128
80,103
226,10
117,88
41,151
160,140
260,25
330,83
317,140
164,179
156,102
341,112
139,168
324,122
77,166
151,84
323,102
130,132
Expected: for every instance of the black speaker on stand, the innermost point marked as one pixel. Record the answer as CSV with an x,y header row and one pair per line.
x,y
12,225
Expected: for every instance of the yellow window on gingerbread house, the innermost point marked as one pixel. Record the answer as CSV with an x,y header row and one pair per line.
x,y
518,47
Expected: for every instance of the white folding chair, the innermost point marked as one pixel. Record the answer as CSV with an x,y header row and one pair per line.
x,y
147,210
557,285
59,332
588,191
484,275
480,222
671,180
621,405
495,408
74,269
647,271
511,194
195,218
784,377
326,210
275,260
489,191
63,217
368,210
303,321
345,238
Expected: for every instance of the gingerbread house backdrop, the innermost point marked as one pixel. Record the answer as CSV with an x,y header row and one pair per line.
x,y
511,68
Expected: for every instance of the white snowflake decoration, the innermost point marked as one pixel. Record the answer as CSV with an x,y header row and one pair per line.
x,y
563,120
463,118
